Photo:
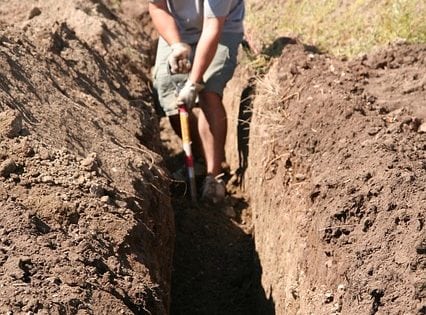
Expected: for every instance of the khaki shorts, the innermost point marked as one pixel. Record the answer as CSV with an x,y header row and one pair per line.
x,y
215,78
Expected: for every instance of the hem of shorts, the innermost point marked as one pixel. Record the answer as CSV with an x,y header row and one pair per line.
x,y
214,91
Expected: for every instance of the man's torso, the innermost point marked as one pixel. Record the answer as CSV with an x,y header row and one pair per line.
x,y
189,15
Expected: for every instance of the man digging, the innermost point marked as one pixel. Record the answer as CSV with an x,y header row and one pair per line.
x,y
198,44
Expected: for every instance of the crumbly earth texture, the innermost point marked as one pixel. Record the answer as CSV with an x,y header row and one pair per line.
x,y
337,173
86,221
331,157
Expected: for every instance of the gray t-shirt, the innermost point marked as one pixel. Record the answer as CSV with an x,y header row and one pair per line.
x,y
189,15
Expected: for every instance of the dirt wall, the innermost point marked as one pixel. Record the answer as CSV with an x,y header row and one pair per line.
x,y
238,99
336,179
87,225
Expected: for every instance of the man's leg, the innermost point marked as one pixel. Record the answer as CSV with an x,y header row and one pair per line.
x,y
212,127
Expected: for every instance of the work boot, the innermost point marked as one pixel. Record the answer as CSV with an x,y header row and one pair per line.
x,y
213,190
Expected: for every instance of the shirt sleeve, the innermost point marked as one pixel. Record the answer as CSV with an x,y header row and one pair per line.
x,y
217,8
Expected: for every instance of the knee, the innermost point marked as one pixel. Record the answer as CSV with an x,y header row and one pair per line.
x,y
211,103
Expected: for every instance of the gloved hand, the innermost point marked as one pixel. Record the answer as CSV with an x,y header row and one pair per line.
x,y
179,58
188,94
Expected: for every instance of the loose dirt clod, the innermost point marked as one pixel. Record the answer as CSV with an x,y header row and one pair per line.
x,y
10,123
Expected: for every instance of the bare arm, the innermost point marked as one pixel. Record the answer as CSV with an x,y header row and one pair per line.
x,y
164,22
206,47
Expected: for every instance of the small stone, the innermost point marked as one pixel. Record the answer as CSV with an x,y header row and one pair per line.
x,y
422,128
24,182
7,167
116,84
421,247
34,12
341,288
10,123
121,203
47,179
389,144
81,180
300,177
44,154
328,297
105,199
374,130
230,212
367,176
89,163
97,190
366,224
34,173
348,113
337,307
329,263
293,69
294,292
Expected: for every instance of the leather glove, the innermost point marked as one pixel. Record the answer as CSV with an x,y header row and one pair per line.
x,y
189,93
179,58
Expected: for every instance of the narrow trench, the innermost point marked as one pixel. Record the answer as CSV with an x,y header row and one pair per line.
x,y
213,271
216,269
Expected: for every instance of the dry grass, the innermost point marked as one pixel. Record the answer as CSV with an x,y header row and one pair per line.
x,y
274,97
341,27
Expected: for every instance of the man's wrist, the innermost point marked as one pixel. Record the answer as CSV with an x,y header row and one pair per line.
x,y
195,79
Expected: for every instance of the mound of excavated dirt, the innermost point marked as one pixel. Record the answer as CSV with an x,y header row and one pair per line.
x,y
87,225
336,178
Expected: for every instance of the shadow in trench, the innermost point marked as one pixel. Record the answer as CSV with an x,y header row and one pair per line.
x,y
216,267
243,128
264,305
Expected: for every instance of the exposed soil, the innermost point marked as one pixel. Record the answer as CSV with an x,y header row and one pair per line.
x,y
326,206
87,225
338,188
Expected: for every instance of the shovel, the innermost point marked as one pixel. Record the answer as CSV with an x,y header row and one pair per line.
x,y
178,81
186,143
